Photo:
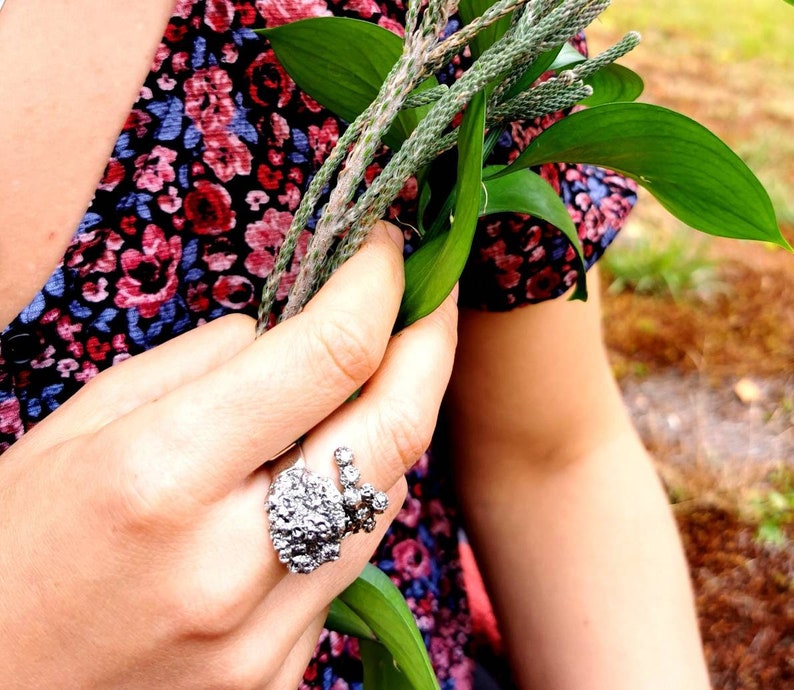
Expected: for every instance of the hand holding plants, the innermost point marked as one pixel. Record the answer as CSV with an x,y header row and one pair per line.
x,y
144,558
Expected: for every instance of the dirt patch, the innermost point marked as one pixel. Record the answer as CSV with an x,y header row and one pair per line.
x,y
745,599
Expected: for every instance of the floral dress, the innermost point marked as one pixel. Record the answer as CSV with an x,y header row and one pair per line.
x,y
194,203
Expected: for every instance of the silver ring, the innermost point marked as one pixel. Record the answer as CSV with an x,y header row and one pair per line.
x,y
309,516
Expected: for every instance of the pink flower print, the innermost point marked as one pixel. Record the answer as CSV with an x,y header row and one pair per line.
x,y
363,8
184,8
279,130
66,366
154,169
392,25
291,196
256,198
227,155
137,120
94,252
10,422
207,99
218,15
149,278
234,292
209,208
45,359
278,12
95,292
411,559
66,328
179,62
322,139
410,513
230,54
219,254
160,56
264,237
170,202
88,371
166,82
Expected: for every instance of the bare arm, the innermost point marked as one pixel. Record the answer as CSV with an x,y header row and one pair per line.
x,y
567,518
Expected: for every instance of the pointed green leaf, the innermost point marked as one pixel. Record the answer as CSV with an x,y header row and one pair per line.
x,y
342,63
567,57
613,83
342,619
432,270
380,672
380,605
526,192
691,172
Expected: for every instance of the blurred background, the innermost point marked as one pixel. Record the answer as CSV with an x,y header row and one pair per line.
x,y
701,330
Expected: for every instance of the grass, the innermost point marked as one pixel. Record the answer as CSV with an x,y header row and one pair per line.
x,y
674,264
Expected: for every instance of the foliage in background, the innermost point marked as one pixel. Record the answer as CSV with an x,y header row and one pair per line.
x,y
663,263
773,508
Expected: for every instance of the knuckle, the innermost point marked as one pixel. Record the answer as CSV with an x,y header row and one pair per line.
x,y
241,670
211,606
142,500
347,351
406,432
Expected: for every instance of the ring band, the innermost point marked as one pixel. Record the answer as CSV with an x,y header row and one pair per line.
x,y
309,516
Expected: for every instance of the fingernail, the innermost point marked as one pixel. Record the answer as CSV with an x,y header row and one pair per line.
x,y
395,234
455,292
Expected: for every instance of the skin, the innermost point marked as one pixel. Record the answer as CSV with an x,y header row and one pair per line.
x,y
566,515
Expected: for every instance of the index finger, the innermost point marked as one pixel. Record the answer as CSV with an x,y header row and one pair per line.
x,y
216,429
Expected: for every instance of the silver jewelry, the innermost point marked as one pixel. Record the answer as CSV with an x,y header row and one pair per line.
x,y
2,2
309,516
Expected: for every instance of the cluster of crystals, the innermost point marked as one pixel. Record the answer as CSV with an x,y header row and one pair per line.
x,y
361,503
307,519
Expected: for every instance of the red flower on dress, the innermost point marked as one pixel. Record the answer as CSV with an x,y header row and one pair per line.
x,y
219,15
209,208
234,292
149,279
543,284
114,173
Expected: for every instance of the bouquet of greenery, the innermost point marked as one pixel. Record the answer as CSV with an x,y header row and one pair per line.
x,y
385,87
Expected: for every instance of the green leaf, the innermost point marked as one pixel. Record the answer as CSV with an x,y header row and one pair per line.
x,y
691,172
613,83
432,270
542,63
380,605
380,673
343,619
342,63
526,192
470,10
566,57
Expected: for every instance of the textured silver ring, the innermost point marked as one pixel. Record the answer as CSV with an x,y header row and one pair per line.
x,y
309,516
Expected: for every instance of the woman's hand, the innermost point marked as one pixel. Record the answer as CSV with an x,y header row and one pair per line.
x,y
134,539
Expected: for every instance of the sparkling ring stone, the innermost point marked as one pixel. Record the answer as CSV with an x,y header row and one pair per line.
x,y
309,516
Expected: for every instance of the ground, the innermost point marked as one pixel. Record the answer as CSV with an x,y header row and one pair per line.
x,y
708,371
